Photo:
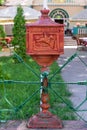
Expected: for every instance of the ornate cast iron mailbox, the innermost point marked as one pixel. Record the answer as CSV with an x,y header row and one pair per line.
x,y
45,40
44,43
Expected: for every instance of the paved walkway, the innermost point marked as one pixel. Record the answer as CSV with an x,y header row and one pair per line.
x,y
5,52
73,72
67,125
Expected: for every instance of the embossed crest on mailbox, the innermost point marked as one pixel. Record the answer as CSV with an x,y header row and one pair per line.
x,y
45,39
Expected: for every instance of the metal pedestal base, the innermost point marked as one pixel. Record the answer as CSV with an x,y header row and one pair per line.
x,y
44,120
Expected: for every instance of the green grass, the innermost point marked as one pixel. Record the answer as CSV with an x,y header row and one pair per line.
x,y
16,94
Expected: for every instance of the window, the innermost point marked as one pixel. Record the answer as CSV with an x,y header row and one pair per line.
x,y
69,1
49,1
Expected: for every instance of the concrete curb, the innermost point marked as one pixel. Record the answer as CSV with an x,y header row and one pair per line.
x,y
68,125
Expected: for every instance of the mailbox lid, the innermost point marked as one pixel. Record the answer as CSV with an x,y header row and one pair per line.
x,y
44,20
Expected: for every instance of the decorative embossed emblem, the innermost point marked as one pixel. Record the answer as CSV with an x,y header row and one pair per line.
x,y
44,41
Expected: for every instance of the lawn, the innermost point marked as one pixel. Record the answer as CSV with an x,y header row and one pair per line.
x,y
20,93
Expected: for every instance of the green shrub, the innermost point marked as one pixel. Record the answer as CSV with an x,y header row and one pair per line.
x,y
2,36
2,2
19,33
2,32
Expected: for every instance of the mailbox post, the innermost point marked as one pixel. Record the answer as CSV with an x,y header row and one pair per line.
x,y
44,43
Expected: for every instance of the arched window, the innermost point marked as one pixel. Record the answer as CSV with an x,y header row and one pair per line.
x,y
60,16
58,12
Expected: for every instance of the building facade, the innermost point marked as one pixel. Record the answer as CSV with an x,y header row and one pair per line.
x,y
62,11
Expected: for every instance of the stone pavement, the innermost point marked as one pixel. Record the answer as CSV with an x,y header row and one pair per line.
x,y
73,72
5,52
67,125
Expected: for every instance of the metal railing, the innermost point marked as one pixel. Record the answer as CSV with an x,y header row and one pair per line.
x,y
13,110
80,31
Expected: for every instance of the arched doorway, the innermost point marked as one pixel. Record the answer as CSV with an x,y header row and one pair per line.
x,y
60,16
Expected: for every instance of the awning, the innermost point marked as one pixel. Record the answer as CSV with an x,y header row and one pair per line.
x,y
8,13
80,16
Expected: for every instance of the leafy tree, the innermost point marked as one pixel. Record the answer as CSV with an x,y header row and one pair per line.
x,y
2,2
19,33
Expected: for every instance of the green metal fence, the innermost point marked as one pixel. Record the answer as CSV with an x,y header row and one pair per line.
x,y
13,108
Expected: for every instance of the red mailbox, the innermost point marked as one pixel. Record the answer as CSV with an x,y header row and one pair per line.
x,y
44,43
45,40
